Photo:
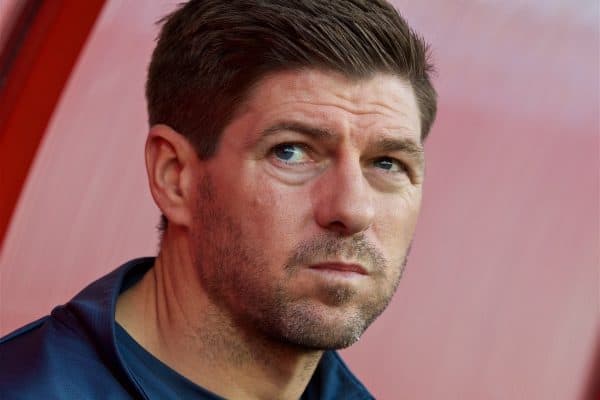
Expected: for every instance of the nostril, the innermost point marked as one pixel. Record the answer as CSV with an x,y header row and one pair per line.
x,y
337,226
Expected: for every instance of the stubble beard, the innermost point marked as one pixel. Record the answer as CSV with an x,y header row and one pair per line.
x,y
233,272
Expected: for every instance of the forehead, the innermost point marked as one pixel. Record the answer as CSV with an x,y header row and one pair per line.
x,y
380,99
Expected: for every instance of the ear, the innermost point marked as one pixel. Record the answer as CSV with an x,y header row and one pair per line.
x,y
171,164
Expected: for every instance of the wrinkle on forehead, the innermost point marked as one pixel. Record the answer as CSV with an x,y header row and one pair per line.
x,y
382,105
353,108
307,82
378,95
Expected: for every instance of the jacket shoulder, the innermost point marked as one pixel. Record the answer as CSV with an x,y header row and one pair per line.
x,y
53,357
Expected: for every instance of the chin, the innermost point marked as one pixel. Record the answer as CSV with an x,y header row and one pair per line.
x,y
322,330
322,338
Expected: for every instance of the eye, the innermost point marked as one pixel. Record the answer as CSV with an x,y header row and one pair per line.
x,y
290,153
389,164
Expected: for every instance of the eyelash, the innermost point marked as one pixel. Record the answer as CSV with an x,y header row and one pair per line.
x,y
402,166
304,148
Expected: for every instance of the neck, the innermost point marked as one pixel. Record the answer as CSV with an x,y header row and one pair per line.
x,y
169,314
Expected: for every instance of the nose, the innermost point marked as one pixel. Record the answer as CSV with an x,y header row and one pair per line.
x,y
342,200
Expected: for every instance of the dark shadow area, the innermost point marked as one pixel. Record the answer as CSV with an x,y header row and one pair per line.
x,y
16,33
592,387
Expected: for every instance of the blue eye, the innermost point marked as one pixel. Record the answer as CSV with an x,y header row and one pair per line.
x,y
289,153
389,164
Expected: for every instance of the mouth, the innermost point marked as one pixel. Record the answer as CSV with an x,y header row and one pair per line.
x,y
339,267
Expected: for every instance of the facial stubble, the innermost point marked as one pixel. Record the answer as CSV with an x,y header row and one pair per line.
x,y
233,270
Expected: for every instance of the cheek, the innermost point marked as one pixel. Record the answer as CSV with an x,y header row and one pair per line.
x,y
275,213
396,221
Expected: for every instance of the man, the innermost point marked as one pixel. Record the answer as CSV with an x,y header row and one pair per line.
x,y
285,153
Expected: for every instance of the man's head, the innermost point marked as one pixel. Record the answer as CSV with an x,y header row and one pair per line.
x,y
298,184
211,52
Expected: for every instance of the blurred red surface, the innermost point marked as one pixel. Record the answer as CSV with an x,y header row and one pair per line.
x,y
500,299
37,57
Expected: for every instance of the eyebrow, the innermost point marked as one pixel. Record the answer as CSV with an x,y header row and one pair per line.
x,y
408,146
404,145
308,130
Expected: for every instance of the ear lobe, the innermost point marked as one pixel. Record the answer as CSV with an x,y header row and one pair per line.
x,y
171,163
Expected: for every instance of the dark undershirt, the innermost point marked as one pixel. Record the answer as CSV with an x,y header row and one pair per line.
x,y
156,379
331,380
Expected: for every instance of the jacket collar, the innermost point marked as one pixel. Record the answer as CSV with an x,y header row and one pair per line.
x,y
96,304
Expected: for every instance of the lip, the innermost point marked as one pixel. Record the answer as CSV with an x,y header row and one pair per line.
x,y
340,267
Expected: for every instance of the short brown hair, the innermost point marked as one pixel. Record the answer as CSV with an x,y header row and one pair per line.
x,y
210,53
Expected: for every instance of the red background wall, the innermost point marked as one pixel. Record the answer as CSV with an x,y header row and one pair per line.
x,y
501,296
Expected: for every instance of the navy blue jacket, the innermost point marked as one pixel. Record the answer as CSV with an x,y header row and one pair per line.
x,y
72,353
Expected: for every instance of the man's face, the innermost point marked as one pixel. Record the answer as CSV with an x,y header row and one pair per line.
x,y
306,212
